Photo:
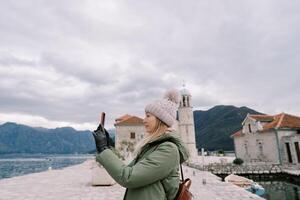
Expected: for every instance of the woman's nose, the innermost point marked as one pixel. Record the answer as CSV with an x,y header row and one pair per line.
x,y
144,120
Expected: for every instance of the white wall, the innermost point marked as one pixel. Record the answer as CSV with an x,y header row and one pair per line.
x,y
123,134
254,126
288,136
186,129
269,147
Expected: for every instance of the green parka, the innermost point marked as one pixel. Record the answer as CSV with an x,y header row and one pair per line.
x,y
154,174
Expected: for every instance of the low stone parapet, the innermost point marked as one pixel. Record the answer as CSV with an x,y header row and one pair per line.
x,y
238,169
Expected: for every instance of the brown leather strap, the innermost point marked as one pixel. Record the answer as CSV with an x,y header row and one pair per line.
x,y
182,179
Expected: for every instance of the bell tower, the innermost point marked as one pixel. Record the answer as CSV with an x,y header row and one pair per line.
x,y
186,125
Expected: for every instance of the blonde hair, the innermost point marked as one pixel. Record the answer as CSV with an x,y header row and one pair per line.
x,y
159,130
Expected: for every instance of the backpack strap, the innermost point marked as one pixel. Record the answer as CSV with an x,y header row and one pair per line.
x,y
182,179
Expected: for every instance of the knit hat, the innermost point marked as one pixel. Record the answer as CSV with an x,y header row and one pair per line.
x,y
166,108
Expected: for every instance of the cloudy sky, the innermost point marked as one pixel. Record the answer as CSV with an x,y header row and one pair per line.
x,y
63,62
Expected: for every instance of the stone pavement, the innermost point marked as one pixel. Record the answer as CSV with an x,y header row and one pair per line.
x,y
214,188
74,183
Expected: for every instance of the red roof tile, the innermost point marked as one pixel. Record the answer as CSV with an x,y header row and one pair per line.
x,y
123,117
262,118
131,120
236,134
274,123
279,121
289,121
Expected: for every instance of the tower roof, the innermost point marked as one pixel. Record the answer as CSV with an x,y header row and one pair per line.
x,y
185,92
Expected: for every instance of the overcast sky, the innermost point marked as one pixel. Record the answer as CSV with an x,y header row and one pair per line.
x,y
63,62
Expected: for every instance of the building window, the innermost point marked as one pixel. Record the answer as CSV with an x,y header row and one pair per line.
x,y
246,147
297,151
249,126
187,129
260,147
132,135
288,151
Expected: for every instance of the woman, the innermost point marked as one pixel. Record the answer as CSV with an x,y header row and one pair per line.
x,y
154,173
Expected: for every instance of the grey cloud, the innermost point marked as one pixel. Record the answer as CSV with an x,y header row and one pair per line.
x,y
7,59
89,72
121,55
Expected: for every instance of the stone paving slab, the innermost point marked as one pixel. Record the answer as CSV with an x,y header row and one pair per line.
x,y
214,188
74,183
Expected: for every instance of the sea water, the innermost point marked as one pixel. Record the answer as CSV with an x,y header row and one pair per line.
x,y
279,186
20,164
281,190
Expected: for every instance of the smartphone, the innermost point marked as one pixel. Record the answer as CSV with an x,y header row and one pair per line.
x,y
102,119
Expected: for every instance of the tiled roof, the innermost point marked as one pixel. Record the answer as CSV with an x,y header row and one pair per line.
x,y
236,134
288,121
262,118
279,121
128,120
275,123
123,117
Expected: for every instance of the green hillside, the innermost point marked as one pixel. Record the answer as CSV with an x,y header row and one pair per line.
x,y
214,126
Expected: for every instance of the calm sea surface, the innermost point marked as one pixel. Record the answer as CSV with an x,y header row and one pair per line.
x,y
279,187
281,190
20,164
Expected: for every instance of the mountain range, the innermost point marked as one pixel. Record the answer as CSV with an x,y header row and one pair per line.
x,y
214,126
213,129
17,138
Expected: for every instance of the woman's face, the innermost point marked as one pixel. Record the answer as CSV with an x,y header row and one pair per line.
x,y
150,122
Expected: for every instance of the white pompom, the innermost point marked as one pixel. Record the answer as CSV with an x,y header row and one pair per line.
x,y
172,95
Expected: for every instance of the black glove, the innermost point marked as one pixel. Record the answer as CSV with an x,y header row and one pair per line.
x,y
101,139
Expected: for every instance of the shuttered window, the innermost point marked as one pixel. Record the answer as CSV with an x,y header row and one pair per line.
x,y
297,151
132,135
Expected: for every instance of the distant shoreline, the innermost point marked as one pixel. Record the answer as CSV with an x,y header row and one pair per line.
x,y
12,165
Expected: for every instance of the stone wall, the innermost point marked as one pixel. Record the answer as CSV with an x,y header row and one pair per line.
x,y
239,169
288,136
124,144
257,147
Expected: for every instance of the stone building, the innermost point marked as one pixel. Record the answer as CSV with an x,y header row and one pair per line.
x,y
269,139
185,123
129,131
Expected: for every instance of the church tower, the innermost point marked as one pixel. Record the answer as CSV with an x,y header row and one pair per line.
x,y
186,125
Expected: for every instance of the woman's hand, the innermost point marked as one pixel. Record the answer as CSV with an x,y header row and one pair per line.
x,y
101,138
